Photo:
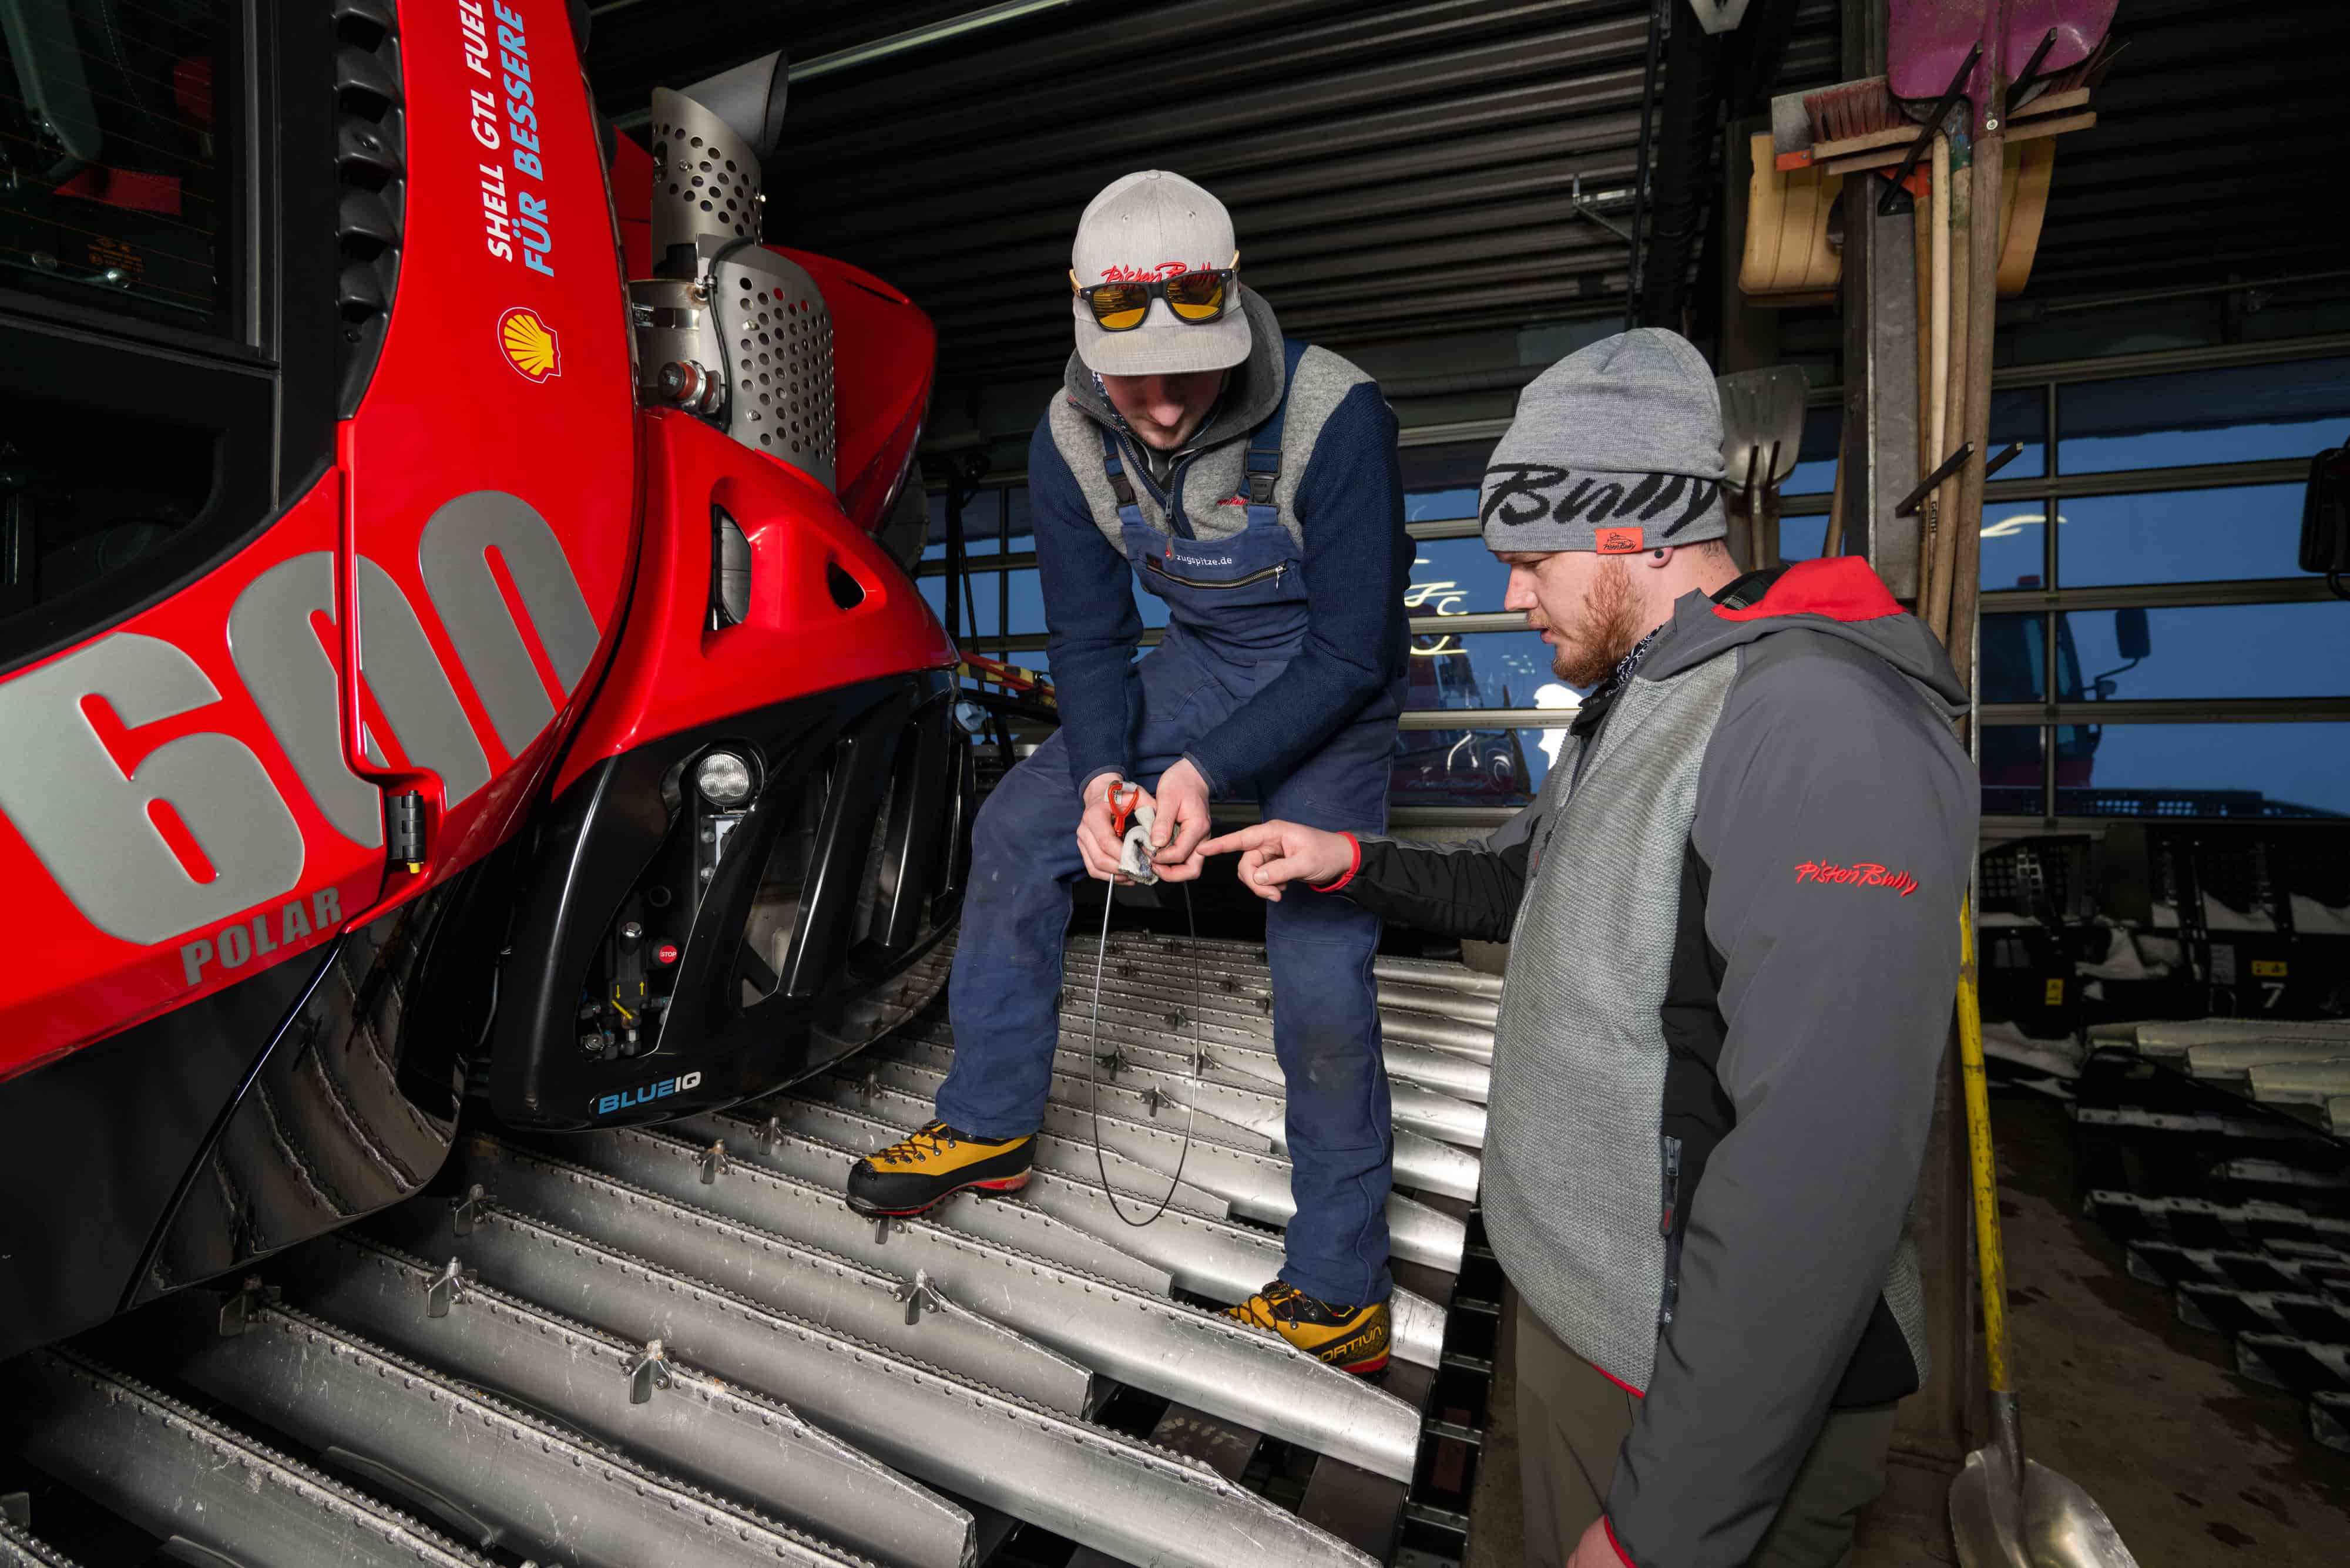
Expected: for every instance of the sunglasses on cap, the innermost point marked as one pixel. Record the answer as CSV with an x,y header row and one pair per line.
x,y
1197,297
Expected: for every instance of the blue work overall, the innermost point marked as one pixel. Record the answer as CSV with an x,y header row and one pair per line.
x,y
1236,608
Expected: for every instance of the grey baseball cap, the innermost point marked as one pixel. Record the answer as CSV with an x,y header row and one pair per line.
x,y
1616,448
1154,224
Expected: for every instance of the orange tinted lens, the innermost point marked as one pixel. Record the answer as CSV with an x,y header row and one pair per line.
x,y
1196,296
1120,306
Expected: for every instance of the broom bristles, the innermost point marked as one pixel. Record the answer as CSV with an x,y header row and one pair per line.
x,y
1852,108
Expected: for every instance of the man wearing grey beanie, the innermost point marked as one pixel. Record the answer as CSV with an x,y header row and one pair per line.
x,y
1733,918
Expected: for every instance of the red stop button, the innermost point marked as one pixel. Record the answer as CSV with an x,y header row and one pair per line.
x,y
666,952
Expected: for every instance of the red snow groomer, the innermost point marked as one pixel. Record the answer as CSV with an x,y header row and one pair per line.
x,y
453,646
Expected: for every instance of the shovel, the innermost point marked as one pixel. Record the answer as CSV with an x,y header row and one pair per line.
x,y
2006,1511
1762,430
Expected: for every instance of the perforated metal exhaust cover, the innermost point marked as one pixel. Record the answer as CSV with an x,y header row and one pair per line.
x,y
773,329
777,334
706,178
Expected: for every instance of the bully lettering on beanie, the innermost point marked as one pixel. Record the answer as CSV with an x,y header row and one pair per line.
x,y
1616,448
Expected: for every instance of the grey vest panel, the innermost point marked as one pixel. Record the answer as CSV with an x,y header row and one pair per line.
x,y
1574,1191
1905,1297
1574,1187
1216,476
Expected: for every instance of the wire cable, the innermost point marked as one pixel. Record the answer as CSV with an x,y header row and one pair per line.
x,y
1093,1063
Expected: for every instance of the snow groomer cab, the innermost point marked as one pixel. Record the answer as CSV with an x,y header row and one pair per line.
x,y
450,664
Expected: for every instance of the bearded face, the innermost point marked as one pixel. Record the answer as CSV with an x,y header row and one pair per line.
x,y
1585,606
1606,628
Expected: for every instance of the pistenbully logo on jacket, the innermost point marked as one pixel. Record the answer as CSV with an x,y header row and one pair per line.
x,y
1861,874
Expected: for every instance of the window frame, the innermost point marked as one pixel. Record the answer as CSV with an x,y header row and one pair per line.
x,y
2048,490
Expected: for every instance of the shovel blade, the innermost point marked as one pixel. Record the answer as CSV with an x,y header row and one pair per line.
x,y
2055,1524
1761,424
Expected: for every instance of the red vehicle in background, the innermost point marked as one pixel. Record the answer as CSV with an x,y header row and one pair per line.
x,y
449,650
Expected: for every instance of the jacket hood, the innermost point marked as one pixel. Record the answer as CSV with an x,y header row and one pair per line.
x,y
1838,597
1249,398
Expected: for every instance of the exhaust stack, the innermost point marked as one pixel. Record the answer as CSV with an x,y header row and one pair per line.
x,y
727,330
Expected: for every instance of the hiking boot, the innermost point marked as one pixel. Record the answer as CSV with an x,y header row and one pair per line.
x,y
934,1163
1350,1338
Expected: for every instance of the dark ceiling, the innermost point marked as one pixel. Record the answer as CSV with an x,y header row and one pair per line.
x,y
1406,169
2218,150
1392,170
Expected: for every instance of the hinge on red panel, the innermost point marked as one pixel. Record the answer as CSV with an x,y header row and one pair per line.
x,y
408,829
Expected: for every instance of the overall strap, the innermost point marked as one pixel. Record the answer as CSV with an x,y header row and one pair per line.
x,y
1114,469
1264,443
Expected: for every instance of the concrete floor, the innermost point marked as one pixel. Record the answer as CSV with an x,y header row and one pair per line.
x,y
2195,1465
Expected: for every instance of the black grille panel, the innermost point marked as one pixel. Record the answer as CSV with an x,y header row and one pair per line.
x,y
371,167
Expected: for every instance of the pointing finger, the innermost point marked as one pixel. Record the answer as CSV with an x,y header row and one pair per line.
x,y
1250,837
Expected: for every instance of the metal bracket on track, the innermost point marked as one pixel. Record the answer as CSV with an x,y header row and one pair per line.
x,y
468,1211
242,1305
447,1288
918,1293
648,1372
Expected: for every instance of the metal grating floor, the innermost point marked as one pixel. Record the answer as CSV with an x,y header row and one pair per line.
x,y
678,1345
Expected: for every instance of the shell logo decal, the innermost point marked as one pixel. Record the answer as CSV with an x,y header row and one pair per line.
x,y
529,344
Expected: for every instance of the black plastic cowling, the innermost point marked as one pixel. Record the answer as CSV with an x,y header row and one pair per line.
x,y
860,802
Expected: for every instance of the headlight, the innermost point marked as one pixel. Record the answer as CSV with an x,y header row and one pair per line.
x,y
723,779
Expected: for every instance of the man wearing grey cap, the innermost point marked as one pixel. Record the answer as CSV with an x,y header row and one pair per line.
x,y
1733,918
1252,483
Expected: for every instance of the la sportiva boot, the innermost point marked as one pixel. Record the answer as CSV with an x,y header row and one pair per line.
x,y
932,1164
1350,1338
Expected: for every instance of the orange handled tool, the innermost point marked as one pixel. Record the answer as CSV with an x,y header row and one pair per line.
x,y
1134,849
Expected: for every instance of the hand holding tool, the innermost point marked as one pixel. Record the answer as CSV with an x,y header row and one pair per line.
x,y
1134,849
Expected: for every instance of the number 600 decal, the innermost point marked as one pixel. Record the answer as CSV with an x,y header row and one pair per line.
x,y
92,826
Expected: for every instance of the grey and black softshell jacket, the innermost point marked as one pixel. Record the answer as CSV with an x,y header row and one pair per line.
x,y
1734,922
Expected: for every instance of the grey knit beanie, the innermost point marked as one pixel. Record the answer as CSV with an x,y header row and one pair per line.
x,y
1616,448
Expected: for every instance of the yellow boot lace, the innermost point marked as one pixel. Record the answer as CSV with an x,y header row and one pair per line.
x,y
1263,1310
915,1147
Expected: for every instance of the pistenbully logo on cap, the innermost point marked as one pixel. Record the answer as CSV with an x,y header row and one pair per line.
x,y
1115,273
